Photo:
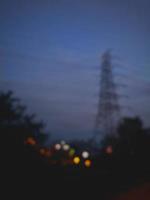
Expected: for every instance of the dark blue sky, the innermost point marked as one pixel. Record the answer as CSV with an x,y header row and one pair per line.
x,y
50,56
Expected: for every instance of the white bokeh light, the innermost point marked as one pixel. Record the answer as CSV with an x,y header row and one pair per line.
x,y
57,146
66,147
85,154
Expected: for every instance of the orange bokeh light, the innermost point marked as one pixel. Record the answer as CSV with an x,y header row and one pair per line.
x,y
30,141
48,153
42,151
45,152
88,163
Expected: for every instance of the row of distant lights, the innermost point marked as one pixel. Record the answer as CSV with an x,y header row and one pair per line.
x,y
76,159
66,147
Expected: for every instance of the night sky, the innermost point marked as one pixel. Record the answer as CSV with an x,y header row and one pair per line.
x,y
50,54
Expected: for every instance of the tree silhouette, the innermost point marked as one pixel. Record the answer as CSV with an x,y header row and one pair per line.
x,y
133,137
15,121
19,161
129,151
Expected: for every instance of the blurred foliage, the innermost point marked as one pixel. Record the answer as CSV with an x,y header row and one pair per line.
x,y
15,123
130,148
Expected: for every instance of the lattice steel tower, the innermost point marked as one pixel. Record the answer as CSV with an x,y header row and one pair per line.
x,y
108,107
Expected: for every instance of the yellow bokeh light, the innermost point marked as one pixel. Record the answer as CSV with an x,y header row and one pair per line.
x,y
76,160
87,163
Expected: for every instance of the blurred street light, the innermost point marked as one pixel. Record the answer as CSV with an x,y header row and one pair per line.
x,y
87,163
109,150
66,147
76,160
71,152
85,154
57,147
30,141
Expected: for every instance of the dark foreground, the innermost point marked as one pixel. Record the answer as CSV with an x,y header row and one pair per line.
x,y
27,175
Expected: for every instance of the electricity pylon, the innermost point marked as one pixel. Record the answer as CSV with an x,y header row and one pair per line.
x,y
108,113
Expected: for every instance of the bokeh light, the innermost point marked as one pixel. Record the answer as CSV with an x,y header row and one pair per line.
x,y
109,150
85,154
30,141
66,147
57,147
71,152
76,160
42,151
47,153
88,163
